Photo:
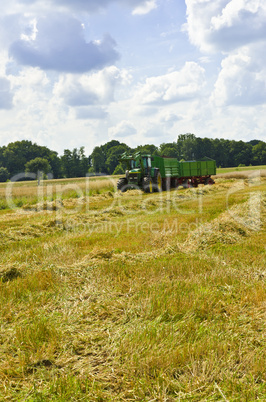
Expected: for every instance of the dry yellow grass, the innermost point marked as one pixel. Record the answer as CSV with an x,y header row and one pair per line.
x,y
245,174
56,187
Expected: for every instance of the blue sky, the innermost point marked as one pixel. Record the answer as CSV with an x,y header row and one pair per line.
x,y
81,73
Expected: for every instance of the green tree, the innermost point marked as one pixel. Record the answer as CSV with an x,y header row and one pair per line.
x,y
110,144
204,147
84,162
221,152
147,149
254,142
75,163
168,150
67,163
104,158
4,174
187,146
56,165
39,166
259,153
113,157
98,160
15,158
15,155
239,153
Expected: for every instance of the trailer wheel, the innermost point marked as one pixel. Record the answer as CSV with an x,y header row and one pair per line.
x,y
185,183
208,180
147,185
122,184
176,183
158,182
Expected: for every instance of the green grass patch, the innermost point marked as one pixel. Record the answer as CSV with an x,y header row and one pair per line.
x,y
240,169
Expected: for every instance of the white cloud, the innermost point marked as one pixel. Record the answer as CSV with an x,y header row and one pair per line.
x,y
6,96
173,87
11,27
225,25
145,8
30,77
169,118
122,129
31,31
153,133
235,12
91,112
242,79
94,89
3,63
238,29
78,5
56,42
64,95
30,87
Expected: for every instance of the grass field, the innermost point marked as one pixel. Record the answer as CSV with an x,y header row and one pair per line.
x,y
133,297
240,169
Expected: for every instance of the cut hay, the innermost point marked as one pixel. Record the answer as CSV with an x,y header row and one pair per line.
x,y
44,206
248,174
9,274
230,227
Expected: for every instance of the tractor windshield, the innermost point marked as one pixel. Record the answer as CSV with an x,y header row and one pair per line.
x,y
133,164
146,162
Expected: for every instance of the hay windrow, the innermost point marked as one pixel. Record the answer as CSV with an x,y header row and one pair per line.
x,y
229,227
44,206
30,231
97,256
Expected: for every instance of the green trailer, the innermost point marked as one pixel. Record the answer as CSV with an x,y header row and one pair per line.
x,y
156,173
196,172
205,167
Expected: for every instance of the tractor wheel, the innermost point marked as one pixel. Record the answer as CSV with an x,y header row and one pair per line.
x,y
158,182
147,185
122,184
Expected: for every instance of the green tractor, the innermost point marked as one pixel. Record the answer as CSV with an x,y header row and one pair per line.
x,y
140,174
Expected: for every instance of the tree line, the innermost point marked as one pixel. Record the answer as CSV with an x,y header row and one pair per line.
x,y
25,156
227,153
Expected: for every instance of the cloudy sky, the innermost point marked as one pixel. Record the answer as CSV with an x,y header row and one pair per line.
x,y
80,73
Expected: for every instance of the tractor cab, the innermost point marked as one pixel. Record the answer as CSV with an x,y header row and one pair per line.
x,y
146,160
138,167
